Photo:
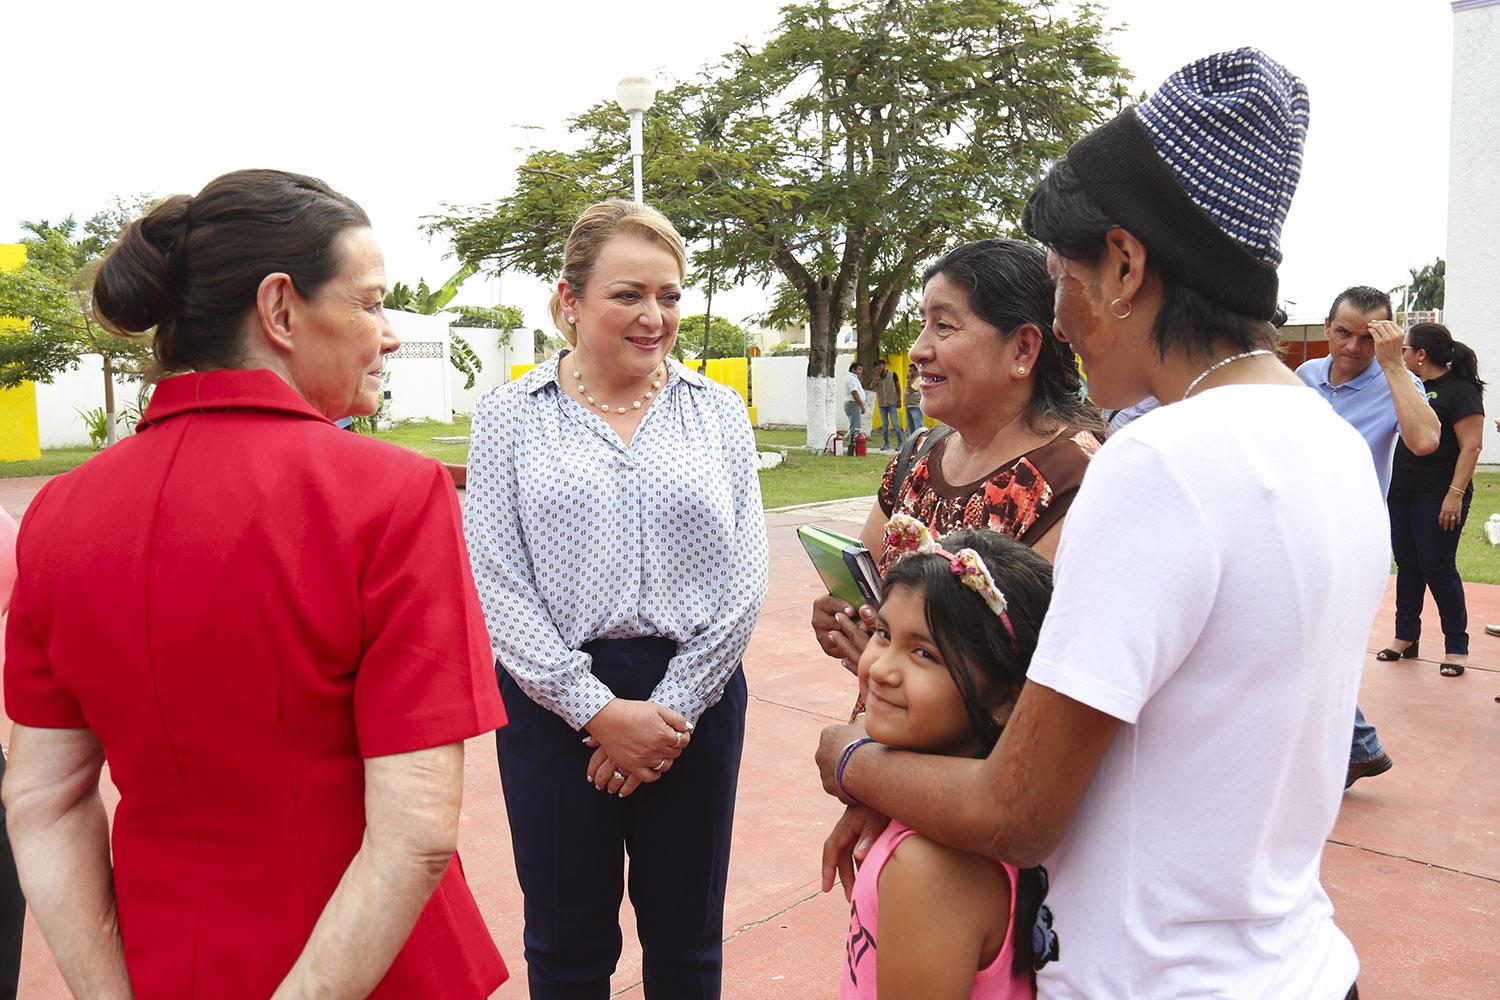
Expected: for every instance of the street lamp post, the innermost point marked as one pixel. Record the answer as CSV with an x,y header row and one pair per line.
x,y
634,95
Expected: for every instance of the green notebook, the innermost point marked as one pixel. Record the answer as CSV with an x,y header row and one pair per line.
x,y
847,569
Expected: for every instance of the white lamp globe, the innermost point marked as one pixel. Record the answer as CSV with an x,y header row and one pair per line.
x,y
635,93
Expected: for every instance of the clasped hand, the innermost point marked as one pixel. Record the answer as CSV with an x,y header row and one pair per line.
x,y
636,739
840,635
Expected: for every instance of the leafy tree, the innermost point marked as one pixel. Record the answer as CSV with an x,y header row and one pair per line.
x,y
1426,289
725,339
429,302
863,138
544,343
53,290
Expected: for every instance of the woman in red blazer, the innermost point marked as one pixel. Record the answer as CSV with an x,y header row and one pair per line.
x,y
268,628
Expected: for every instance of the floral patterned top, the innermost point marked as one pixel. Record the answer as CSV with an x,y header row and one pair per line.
x,y
1023,498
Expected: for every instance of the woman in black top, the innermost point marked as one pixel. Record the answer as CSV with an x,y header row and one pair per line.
x,y
1430,495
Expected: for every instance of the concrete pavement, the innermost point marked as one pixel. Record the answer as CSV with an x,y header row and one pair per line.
x,y
1413,865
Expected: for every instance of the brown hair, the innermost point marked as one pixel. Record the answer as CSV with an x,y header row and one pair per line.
x,y
192,266
599,224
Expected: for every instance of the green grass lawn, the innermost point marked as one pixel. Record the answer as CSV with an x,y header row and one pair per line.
x,y
1478,560
418,435
804,478
52,462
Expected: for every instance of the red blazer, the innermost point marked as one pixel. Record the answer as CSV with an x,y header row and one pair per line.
x,y
242,602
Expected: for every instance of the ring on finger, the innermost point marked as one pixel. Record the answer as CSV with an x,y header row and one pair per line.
x,y
619,775
660,765
676,740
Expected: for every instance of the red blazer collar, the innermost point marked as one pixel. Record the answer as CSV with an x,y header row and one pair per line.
x,y
217,391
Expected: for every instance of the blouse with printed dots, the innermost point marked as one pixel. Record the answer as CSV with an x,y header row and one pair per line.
x,y
575,535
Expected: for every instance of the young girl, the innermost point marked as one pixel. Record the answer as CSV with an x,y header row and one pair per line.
x,y
955,631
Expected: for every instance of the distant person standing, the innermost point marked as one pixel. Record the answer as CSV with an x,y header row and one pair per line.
x,y
914,418
1366,382
854,401
1430,495
888,397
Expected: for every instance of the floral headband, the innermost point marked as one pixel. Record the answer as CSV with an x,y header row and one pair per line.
x,y
907,535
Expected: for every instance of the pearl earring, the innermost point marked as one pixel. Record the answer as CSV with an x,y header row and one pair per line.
x,y
1020,369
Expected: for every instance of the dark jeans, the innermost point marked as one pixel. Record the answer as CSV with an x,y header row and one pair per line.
x,y
570,840
1366,743
890,419
12,912
1425,560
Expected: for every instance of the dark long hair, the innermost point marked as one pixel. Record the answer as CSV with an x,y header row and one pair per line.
x,y
1062,214
192,266
1438,342
987,665
1008,287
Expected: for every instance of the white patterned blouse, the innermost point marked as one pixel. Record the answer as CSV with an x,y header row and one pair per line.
x,y
575,536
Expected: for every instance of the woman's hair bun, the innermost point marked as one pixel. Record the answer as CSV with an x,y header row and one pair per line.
x,y
136,287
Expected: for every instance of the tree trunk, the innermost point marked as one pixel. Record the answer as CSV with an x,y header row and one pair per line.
x,y
708,309
109,402
822,358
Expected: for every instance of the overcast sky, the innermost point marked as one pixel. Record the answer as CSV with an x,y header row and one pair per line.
x,y
407,106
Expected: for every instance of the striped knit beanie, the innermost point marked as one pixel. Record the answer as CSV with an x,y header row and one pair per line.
x,y
1203,172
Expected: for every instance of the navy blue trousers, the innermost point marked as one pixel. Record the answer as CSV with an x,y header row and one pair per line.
x,y
1426,560
570,840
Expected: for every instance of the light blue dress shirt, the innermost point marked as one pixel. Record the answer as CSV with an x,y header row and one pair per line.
x,y
1365,402
575,535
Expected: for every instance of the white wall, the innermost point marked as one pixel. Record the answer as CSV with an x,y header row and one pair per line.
x,y
780,388
418,373
497,360
58,403
1472,305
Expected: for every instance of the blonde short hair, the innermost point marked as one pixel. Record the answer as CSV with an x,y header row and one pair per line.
x,y
599,224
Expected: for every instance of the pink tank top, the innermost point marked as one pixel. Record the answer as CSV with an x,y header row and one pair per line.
x,y
993,982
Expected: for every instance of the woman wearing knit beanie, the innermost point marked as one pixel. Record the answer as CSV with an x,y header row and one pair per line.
x,y
1177,757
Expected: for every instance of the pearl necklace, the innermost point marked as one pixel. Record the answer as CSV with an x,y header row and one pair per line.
x,y
656,377
1220,364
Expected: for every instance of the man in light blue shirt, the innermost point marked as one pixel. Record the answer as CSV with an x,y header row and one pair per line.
x,y
1366,381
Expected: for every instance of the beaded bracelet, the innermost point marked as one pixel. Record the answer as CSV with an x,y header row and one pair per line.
x,y
838,775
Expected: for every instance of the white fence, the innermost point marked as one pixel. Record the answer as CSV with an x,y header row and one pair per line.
x,y
780,390
58,403
418,380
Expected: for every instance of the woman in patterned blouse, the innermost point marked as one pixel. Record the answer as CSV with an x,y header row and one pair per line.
x,y
1017,437
615,528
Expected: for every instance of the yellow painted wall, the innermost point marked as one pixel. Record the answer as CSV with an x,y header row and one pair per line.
x,y
901,365
20,436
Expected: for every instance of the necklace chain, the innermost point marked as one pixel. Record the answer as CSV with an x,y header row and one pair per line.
x,y
1205,373
603,407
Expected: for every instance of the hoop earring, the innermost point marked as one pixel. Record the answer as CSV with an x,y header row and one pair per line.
x,y
1117,315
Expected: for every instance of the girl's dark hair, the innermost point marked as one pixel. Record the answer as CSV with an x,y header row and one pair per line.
x,y
192,266
1438,342
1008,287
986,665
1061,214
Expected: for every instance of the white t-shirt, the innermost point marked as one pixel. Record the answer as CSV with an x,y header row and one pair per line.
x,y
854,392
1215,585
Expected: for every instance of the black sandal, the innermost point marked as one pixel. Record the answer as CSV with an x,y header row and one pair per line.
x,y
1390,655
1451,669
